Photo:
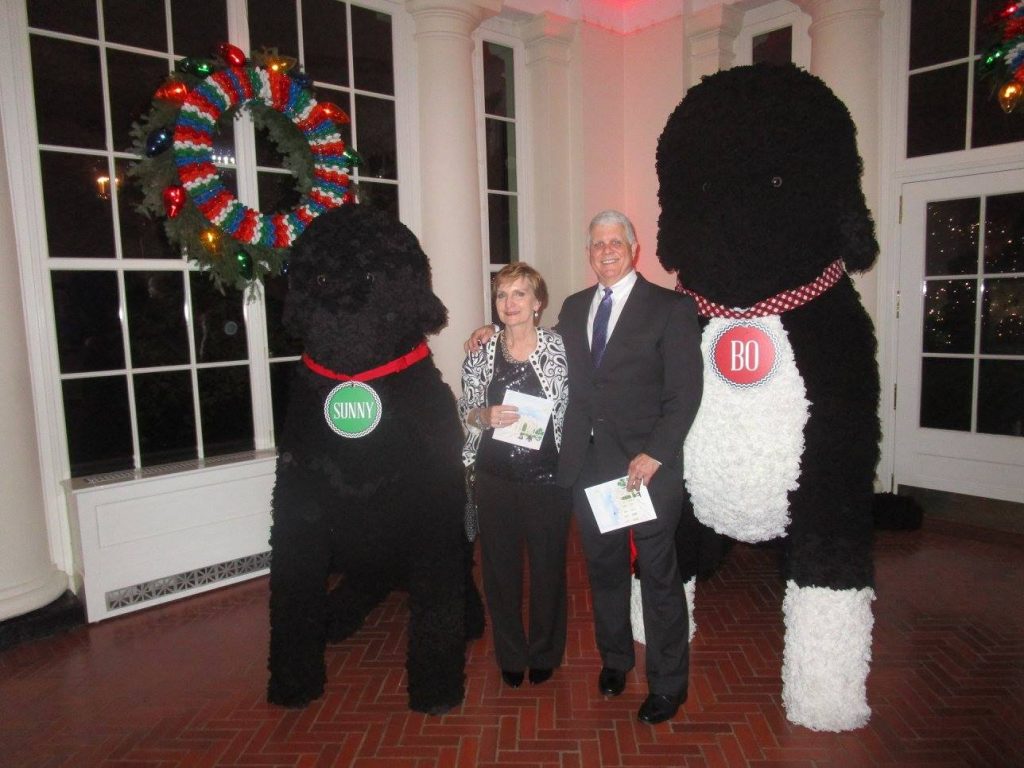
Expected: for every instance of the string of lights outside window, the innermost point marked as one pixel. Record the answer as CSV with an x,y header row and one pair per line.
x,y
1004,61
177,170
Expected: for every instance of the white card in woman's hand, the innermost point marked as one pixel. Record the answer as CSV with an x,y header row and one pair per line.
x,y
529,428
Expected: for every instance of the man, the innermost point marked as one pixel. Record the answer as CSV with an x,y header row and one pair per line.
x,y
630,407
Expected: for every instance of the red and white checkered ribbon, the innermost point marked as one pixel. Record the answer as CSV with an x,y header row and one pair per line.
x,y
774,305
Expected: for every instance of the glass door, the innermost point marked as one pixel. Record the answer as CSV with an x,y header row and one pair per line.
x,y
960,375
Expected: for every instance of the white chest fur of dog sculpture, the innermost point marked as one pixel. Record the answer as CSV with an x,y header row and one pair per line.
x,y
761,216
744,449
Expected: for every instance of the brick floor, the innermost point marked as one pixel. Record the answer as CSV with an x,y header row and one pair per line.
x,y
183,684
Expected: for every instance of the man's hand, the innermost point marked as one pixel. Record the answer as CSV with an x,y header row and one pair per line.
x,y
479,337
641,470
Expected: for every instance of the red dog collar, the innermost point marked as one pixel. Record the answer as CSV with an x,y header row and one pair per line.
x,y
396,365
774,305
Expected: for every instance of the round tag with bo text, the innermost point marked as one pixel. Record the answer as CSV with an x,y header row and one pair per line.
x,y
743,354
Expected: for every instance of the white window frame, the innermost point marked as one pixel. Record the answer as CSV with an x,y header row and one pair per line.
x,y
502,32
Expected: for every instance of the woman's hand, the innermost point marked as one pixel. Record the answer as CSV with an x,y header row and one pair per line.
x,y
495,416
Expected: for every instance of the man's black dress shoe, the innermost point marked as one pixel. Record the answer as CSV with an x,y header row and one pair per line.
x,y
512,679
611,682
657,708
538,676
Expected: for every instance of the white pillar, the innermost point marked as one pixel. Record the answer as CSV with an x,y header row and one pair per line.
x,y
548,39
845,52
710,35
28,577
450,186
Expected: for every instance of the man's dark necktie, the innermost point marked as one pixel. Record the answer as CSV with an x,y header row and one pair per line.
x,y
600,334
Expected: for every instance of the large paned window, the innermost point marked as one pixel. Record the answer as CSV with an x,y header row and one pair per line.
x,y
501,187
972,367
956,352
156,366
950,105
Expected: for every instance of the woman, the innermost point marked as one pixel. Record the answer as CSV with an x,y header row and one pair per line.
x,y
517,498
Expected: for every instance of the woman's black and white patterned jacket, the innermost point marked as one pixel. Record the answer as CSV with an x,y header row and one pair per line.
x,y
549,363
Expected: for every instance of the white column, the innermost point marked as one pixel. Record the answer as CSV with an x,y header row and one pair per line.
x,y
845,52
710,35
548,39
450,187
28,577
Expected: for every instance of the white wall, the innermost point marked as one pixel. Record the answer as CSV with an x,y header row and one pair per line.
x,y
654,85
599,133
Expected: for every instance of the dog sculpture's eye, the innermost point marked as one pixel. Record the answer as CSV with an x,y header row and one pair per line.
x,y
322,280
776,181
368,278
705,187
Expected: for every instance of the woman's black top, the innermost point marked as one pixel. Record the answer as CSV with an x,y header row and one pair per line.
x,y
516,462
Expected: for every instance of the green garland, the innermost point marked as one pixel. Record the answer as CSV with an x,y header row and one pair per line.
x,y
236,245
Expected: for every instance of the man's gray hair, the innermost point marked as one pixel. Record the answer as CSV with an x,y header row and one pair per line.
x,y
613,217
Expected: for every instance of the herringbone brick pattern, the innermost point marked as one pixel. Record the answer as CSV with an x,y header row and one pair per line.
x,y
183,684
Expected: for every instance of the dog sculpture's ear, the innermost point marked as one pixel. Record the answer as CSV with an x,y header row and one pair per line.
x,y
858,246
433,314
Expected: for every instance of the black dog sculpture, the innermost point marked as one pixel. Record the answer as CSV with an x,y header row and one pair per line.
x,y
762,215
369,479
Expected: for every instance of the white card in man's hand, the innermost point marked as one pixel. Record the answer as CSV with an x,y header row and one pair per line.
x,y
615,506
534,413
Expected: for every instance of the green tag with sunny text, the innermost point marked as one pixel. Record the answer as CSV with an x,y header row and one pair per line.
x,y
352,409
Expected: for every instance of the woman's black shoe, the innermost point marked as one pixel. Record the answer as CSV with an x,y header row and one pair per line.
x,y
512,679
538,676
611,682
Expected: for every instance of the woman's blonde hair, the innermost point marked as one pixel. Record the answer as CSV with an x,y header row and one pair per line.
x,y
520,269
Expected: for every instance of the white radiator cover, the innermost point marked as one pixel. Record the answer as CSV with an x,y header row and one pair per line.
x,y
141,540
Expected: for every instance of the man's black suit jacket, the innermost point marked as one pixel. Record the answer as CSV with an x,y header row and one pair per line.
x,y
645,394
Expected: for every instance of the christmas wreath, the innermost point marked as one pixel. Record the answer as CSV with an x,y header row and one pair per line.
x,y
235,243
1004,60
